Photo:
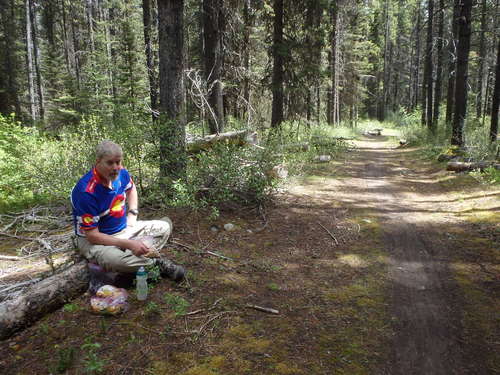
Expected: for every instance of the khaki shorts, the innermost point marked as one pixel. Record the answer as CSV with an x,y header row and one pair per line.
x,y
112,258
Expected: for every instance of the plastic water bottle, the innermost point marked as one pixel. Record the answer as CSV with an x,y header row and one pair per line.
x,y
142,284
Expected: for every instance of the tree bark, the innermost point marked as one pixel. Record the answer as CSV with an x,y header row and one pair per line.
x,y
10,66
212,55
248,20
496,100
153,94
387,64
427,86
37,61
334,17
452,64
171,125
439,68
278,75
42,298
464,33
31,63
482,58
416,66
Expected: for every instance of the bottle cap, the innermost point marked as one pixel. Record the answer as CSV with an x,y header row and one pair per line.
x,y
141,271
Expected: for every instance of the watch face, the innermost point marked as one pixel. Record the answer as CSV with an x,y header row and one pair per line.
x,y
134,212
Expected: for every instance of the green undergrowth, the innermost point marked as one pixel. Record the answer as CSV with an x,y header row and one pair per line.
x,y
39,167
477,145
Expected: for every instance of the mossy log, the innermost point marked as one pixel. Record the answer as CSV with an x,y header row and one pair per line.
x,y
240,137
41,298
457,166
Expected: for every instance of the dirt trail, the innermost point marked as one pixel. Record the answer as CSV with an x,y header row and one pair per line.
x,y
378,265
426,337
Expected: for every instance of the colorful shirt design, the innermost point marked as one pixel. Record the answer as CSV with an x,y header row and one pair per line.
x,y
97,206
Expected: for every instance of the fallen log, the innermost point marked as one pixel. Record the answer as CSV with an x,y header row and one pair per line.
x,y
42,298
374,132
457,166
300,146
240,137
322,158
12,258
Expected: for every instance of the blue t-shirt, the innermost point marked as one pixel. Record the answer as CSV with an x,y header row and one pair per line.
x,y
97,206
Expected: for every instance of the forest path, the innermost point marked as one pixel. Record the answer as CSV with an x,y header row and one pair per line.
x,y
410,207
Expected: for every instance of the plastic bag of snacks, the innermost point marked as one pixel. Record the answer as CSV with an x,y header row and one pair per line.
x,y
109,300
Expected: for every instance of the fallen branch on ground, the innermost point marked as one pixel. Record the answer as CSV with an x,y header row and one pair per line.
x,y
11,258
457,166
264,309
240,137
202,310
331,235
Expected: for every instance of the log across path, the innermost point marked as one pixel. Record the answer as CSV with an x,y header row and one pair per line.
x,y
422,304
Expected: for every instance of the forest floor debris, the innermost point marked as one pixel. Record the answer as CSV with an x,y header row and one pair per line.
x,y
335,298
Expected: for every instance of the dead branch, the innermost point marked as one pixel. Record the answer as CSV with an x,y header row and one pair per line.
x,y
264,309
11,258
457,166
331,235
218,255
202,310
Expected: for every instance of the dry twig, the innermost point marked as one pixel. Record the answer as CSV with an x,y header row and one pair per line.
x,y
264,309
331,235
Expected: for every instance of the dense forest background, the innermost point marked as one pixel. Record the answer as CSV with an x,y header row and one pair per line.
x,y
145,72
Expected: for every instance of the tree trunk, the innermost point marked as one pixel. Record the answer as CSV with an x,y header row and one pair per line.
x,y
42,298
439,69
496,100
212,55
278,74
90,23
33,103
427,86
416,67
10,66
248,19
452,64
482,58
464,33
334,17
37,60
153,94
398,68
387,63
171,125
75,46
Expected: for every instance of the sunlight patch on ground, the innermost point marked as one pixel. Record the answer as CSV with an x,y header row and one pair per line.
x,y
353,260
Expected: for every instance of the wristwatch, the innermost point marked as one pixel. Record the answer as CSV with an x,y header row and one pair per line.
x,y
134,211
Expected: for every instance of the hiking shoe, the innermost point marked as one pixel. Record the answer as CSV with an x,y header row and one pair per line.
x,y
170,269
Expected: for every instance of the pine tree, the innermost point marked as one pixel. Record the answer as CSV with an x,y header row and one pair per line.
x,y
171,125
464,33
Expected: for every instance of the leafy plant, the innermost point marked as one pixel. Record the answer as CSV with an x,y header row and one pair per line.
x,y
65,359
92,362
70,307
152,309
178,304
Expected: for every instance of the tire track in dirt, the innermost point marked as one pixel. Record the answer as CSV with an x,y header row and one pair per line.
x,y
422,303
